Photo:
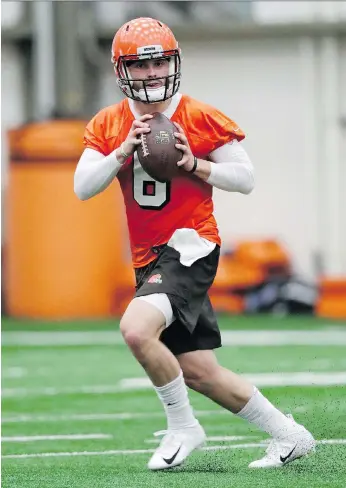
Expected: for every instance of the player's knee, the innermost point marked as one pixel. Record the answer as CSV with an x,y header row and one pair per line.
x,y
141,324
138,335
135,340
133,334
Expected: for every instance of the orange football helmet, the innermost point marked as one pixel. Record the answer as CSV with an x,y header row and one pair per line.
x,y
146,38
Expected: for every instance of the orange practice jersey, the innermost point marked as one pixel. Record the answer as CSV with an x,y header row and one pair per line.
x,y
155,210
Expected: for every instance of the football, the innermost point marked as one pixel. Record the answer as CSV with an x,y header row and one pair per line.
x,y
157,152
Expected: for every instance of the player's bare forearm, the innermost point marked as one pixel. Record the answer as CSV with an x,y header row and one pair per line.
x,y
203,169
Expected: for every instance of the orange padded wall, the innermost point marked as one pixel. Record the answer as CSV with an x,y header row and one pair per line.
x,y
64,257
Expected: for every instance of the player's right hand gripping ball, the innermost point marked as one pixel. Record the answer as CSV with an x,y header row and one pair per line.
x,y
157,152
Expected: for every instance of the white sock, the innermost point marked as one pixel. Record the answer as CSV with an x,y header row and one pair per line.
x,y
260,412
176,402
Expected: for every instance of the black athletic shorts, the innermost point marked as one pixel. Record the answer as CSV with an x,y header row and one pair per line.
x,y
195,327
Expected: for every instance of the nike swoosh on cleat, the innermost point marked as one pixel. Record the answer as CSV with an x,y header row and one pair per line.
x,y
170,460
284,459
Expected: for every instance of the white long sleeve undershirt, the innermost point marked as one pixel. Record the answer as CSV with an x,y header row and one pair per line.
x,y
94,173
231,170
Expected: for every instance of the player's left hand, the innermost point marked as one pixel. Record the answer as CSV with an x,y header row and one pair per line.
x,y
187,160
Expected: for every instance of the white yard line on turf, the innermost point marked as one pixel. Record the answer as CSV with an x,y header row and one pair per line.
x,y
332,441
71,437
215,438
264,379
79,437
100,416
121,451
126,452
323,337
14,372
87,417
135,384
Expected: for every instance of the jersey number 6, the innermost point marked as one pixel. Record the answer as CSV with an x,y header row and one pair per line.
x,y
149,193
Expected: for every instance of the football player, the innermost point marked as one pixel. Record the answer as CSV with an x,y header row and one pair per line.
x,y
170,326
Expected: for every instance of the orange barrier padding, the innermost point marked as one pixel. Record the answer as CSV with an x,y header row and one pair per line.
x,y
227,303
56,140
332,301
124,291
268,254
333,308
333,285
234,275
249,265
63,256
